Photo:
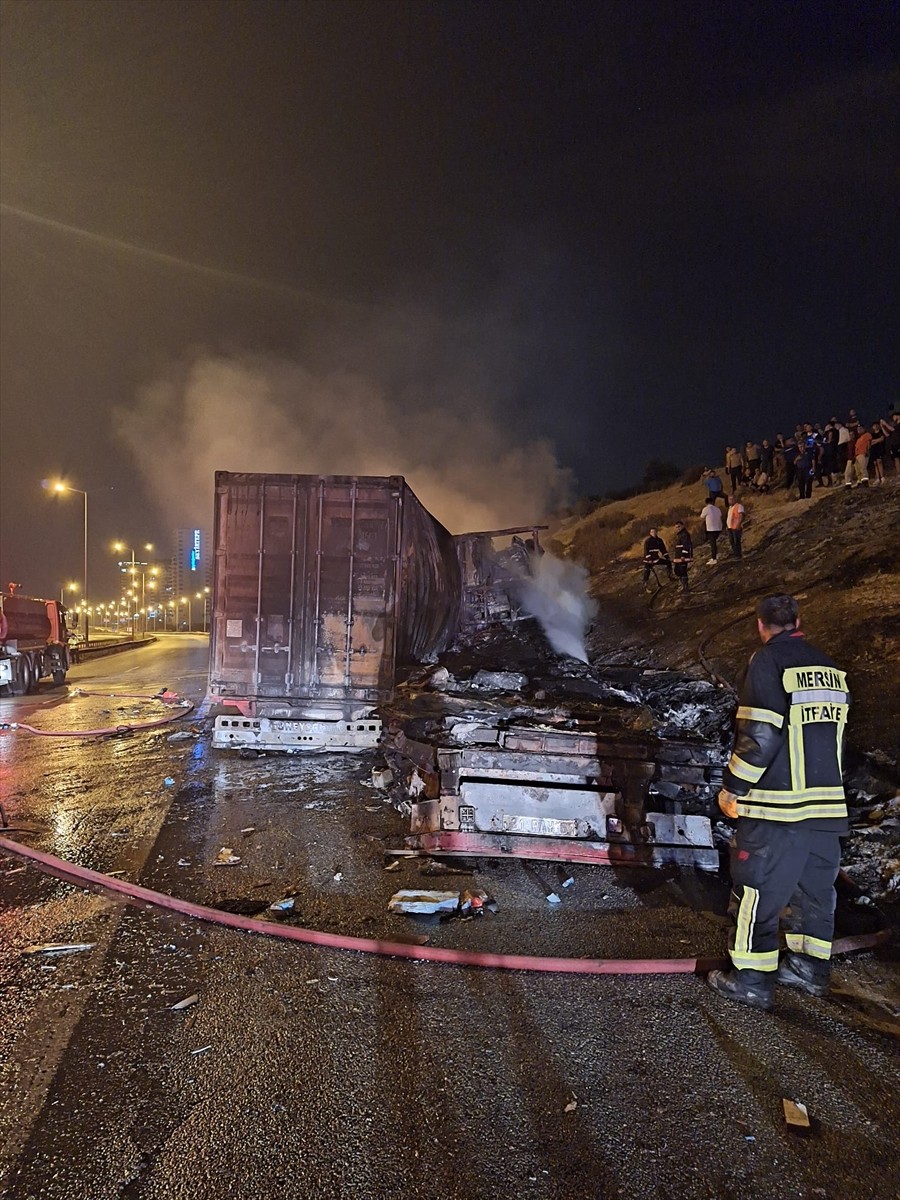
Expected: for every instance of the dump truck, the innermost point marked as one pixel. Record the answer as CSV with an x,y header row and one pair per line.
x,y
33,643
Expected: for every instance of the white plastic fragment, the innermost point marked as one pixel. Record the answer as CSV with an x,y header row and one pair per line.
x,y
226,858
187,1002
408,900
59,947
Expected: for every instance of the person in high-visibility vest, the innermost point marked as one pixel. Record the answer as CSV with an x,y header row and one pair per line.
x,y
783,785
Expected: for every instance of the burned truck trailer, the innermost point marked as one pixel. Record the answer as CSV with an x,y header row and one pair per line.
x,y
323,587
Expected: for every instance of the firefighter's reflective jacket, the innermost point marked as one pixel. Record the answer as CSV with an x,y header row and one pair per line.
x,y
791,722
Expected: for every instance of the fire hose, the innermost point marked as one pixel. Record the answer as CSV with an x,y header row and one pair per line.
x,y
165,697
133,893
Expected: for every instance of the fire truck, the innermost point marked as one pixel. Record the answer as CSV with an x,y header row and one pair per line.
x,y
33,643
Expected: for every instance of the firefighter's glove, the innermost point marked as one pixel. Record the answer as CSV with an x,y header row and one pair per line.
x,y
728,802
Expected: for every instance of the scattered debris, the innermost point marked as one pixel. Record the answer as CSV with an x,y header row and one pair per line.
x,y
466,904
393,866
550,895
382,778
226,858
183,735
248,830
338,877
410,901
571,1106
59,947
565,876
500,681
15,870
796,1116
187,1002
184,862
202,1050
168,781
432,866
284,905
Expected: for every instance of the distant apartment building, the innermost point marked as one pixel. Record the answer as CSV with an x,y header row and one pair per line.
x,y
190,570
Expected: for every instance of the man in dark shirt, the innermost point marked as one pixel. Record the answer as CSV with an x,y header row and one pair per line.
x,y
684,554
655,554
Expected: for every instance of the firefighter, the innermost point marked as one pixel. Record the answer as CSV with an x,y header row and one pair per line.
x,y
684,554
783,786
655,555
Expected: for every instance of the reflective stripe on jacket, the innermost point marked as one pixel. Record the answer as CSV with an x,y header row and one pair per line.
x,y
791,724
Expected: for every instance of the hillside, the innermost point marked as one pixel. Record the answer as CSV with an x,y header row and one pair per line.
x,y
838,553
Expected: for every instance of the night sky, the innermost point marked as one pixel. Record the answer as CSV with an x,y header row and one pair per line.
x,y
505,248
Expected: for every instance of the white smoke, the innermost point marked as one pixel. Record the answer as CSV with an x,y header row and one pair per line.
x,y
259,413
556,593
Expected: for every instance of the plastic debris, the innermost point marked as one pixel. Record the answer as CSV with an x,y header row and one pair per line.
x,y
408,900
168,781
187,1002
571,1106
284,905
500,681
202,1050
552,898
183,735
339,875
226,858
383,778
184,862
416,784
248,829
59,947
393,866
796,1116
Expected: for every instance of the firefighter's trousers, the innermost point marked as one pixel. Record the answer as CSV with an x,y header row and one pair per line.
x,y
774,865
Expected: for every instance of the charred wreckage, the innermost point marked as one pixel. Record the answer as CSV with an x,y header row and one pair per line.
x,y
331,592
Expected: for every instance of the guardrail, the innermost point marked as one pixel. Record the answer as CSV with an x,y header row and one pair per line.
x,y
107,646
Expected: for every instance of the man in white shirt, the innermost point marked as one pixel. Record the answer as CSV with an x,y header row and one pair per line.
x,y
735,524
711,516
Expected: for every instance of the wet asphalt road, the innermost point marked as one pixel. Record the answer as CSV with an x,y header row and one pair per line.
x,y
313,1073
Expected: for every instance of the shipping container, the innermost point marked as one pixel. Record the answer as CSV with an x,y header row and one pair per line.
x,y
323,587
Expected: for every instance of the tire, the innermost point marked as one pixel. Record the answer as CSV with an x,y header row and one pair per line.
x,y
23,677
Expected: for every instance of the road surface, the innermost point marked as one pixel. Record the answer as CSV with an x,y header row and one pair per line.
x,y
310,1073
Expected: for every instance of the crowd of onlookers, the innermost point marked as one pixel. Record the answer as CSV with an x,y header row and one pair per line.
x,y
814,455
850,450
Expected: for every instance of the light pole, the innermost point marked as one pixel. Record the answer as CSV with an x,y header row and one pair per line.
x,y
132,566
187,600
59,487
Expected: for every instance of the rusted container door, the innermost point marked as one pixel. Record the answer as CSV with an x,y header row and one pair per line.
x,y
352,586
260,523
306,586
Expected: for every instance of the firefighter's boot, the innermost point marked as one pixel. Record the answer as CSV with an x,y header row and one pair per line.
x,y
754,988
800,971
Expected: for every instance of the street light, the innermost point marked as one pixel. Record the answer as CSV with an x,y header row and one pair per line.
x,y
59,487
67,587
124,565
187,600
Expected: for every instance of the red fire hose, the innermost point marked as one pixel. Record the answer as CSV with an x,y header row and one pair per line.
x,y
133,893
111,730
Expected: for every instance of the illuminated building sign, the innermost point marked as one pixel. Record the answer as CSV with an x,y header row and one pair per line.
x,y
195,551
